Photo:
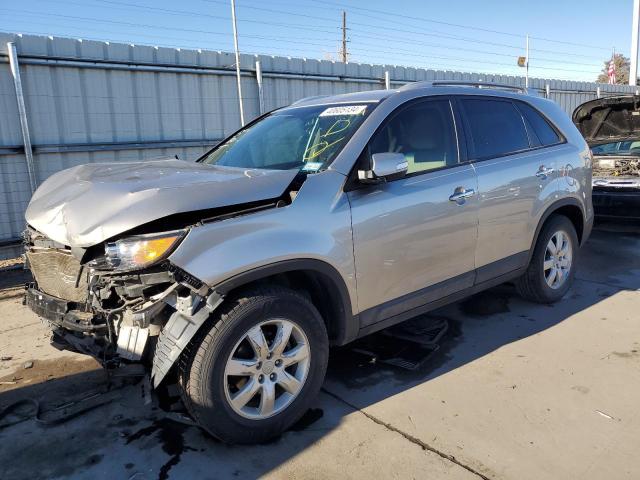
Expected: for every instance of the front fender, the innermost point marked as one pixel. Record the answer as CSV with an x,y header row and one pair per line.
x,y
316,226
314,232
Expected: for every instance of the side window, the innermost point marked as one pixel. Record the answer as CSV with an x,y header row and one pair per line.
x,y
496,127
425,133
537,123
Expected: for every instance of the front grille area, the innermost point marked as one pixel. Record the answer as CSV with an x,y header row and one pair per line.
x,y
59,274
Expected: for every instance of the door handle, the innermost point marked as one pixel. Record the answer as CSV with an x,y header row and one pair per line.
x,y
543,172
460,194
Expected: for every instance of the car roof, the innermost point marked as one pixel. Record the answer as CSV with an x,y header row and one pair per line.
x,y
419,89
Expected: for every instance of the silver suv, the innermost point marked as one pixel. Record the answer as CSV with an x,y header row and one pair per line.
x,y
312,226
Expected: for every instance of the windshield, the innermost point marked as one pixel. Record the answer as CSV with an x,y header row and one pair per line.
x,y
617,148
305,138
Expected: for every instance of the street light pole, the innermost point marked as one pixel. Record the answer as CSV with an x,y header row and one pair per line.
x,y
235,45
633,70
526,64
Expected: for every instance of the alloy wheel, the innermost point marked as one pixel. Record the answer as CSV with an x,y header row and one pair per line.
x,y
557,259
267,369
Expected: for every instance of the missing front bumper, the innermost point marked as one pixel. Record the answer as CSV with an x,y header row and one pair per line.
x,y
71,329
63,314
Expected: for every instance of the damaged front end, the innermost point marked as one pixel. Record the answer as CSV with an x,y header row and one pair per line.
x,y
127,304
103,282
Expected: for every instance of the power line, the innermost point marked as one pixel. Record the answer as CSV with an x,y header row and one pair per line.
x,y
129,5
410,53
200,14
208,32
404,30
450,24
137,24
316,18
427,33
433,45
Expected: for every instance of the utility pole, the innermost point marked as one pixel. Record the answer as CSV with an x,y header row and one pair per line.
x,y
344,36
235,45
633,69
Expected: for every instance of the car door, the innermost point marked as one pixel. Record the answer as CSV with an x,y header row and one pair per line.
x,y
516,174
415,237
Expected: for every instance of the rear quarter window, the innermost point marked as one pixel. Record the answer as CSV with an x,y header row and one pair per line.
x,y
496,127
539,126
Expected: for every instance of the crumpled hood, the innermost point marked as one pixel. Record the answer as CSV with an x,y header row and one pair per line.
x,y
608,120
87,204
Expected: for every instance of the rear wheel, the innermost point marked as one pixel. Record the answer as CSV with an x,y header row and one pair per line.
x,y
256,367
551,271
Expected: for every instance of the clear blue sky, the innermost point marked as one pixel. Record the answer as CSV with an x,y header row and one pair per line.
x,y
569,38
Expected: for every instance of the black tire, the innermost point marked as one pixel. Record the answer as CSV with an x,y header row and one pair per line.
x,y
201,372
532,285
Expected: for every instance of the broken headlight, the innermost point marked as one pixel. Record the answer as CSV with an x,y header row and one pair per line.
x,y
137,252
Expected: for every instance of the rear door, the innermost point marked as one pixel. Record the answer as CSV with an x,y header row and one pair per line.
x,y
516,171
415,237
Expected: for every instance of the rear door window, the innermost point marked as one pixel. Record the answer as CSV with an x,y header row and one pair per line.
x,y
496,127
541,129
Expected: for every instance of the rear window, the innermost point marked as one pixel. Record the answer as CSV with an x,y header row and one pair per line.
x,y
496,127
539,127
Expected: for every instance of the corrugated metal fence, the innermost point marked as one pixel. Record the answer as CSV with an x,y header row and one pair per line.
x,y
89,101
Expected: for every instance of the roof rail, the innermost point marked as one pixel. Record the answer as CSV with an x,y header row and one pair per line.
x,y
465,83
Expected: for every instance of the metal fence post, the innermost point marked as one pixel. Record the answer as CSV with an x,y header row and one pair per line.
x,y
547,91
22,111
260,92
387,80
598,92
238,74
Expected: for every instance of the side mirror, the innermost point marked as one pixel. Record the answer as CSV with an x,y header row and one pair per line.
x,y
384,167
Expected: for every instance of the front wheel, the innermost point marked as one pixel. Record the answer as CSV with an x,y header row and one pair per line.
x,y
551,271
256,367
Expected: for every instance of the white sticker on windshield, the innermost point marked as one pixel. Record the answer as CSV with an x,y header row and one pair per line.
x,y
344,110
312,166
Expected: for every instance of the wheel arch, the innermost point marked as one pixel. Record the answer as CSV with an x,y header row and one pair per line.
x,y
319,280
570,208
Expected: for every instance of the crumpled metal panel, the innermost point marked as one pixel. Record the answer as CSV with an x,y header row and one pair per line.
x,y
58,274
85,205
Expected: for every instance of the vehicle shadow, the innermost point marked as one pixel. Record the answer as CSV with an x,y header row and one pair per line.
x,y
609,262
12,282
125,437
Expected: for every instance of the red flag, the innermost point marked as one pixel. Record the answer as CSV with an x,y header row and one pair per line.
x,y
612,72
